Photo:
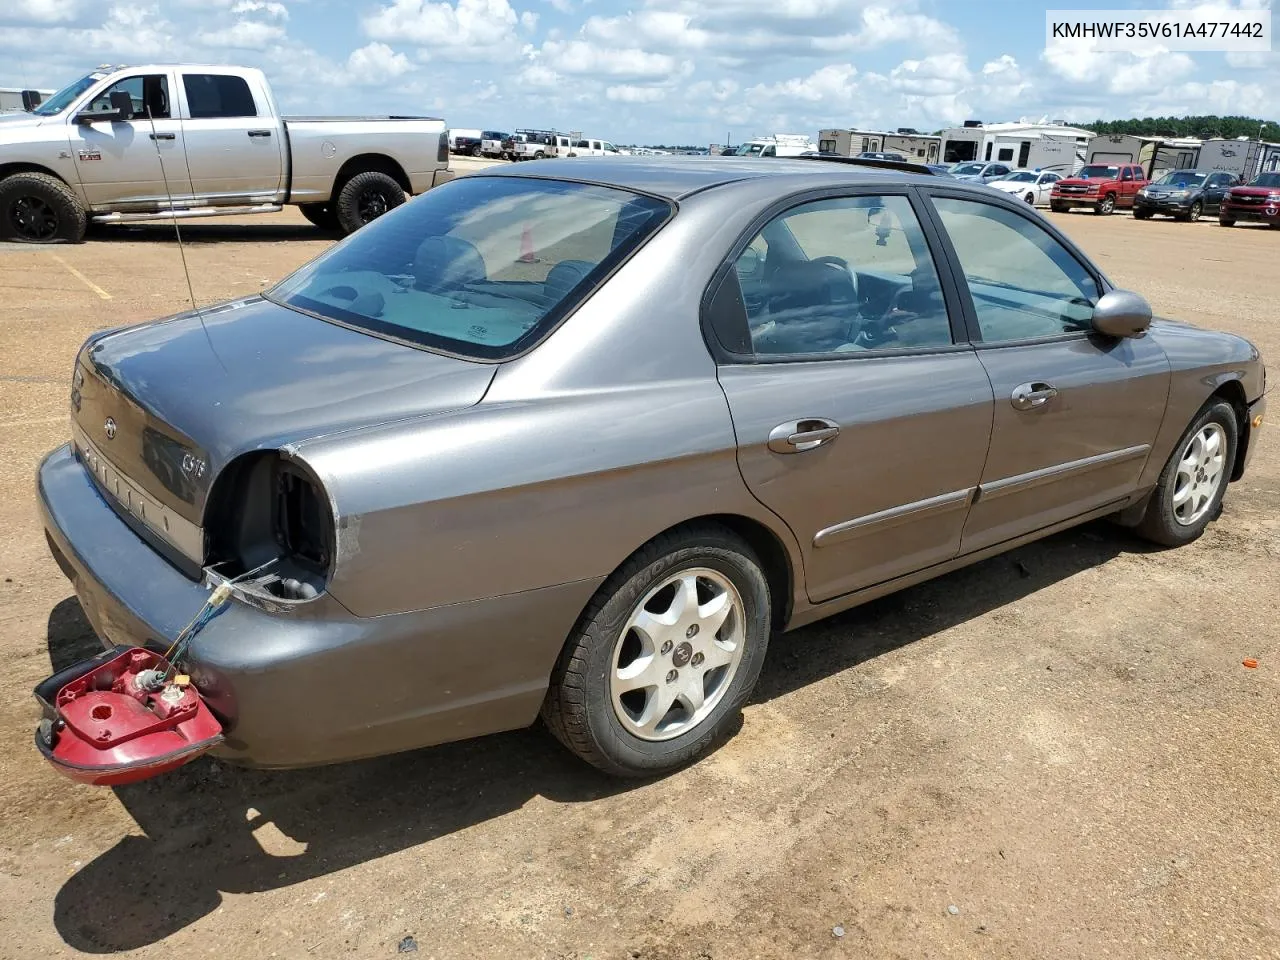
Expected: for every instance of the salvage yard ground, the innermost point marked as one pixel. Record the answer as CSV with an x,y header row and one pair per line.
x,y
1061,744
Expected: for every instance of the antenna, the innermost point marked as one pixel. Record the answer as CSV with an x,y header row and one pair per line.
x,y
155,139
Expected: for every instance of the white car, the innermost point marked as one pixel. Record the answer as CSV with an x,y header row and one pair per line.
x,y
1033,186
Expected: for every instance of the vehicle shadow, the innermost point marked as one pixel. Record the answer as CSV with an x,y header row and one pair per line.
x,y
200,231
209,826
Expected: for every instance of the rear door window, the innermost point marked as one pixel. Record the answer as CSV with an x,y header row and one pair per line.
x,y
218,95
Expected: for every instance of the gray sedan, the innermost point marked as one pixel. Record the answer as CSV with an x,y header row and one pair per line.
x,y
575,440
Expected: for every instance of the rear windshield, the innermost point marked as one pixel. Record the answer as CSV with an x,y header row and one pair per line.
x,y
482,267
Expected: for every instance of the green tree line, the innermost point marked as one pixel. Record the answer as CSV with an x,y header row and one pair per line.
x,y
1203,128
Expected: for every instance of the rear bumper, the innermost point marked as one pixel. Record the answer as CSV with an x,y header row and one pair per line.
x,y
317,685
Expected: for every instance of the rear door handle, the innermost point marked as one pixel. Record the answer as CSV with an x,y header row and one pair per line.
x,y
164,136
259,133
797,436
1028,396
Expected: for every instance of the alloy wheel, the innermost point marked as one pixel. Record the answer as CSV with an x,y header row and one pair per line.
x,y
1194,213
1199,474
33,219
372,204
678,654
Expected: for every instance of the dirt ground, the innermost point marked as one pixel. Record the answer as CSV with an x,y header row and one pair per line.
x,y
1053,754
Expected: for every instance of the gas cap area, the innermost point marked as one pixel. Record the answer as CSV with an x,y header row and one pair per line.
x,y
122,716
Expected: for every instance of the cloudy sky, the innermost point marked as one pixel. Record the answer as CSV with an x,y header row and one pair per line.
x,y
647,71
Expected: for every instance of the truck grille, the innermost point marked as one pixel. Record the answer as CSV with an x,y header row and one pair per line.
x,y
1073,188
1248,200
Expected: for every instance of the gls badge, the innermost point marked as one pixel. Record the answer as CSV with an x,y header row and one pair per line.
x,y
193,467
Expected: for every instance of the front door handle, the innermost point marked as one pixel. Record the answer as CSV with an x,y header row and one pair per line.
x,y
259,133
1028,396
797,436
164,136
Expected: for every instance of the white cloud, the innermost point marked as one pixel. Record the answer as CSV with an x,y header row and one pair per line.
x,y
529,20
376,63
629,93
944,73
243,35
40,11
564,6
581,58
268,8
469,29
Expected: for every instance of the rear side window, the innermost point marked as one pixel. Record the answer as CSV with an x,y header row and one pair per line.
x,y
482,267
218,95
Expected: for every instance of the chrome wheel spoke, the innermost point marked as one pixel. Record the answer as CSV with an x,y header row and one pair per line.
x,y
1199,474
677,654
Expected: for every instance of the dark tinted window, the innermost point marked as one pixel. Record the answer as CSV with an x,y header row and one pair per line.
x,y
218,95
481,267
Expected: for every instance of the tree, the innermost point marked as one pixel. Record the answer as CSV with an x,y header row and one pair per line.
x,y
1202,128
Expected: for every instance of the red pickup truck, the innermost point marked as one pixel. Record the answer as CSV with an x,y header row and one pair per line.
x,y
1259,200
1103,186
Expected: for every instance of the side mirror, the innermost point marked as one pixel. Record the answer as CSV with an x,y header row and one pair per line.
x,y
1122,313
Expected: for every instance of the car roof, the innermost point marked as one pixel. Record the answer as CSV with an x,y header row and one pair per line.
x,y
676,177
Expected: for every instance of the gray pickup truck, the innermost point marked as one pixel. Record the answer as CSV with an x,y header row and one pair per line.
x,y
159,141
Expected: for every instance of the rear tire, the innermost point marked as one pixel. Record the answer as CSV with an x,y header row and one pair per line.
x,y
1189,492
650,729
321,214
39,208
365,197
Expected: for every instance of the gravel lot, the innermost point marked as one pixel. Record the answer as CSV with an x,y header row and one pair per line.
x,y
1060,744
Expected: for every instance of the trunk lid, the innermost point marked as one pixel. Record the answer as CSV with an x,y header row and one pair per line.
x,y
167,405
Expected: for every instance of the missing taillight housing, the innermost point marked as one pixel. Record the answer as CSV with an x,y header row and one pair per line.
x,y
301,519
266,511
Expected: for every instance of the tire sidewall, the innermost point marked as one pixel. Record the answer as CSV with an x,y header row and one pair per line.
x,y
630,753
348,205
72,220
1161,521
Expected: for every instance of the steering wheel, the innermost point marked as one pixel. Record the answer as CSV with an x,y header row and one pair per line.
x,y
843,264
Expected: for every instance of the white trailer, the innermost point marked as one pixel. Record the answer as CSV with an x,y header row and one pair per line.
x,y
1049,146
1230,156
1157,156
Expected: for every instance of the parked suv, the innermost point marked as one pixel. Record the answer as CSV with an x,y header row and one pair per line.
x,y
1103,186
1258,200
1184,194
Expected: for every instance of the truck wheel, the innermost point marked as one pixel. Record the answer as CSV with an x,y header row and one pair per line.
x,y
321,214
475,151
365,197
1058,207
39,208
1106,205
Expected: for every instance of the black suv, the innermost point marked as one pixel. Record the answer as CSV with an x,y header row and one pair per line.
x,y
1184,194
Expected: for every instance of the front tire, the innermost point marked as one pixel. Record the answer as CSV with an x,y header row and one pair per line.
x,y
1058,207
663,658
1189,492
1226,222
365,197
1030,198
1142,214
1193,214
1106,206
39,208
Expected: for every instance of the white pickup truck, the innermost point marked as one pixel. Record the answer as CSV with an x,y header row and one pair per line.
x,y
159,141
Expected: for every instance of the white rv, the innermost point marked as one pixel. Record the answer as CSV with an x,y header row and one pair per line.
x,y
1157,156
1043,146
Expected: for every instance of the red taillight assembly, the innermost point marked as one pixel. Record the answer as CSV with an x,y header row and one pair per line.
x,y
122,716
